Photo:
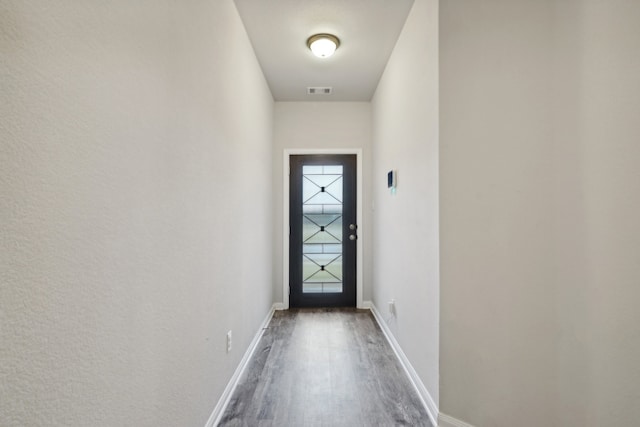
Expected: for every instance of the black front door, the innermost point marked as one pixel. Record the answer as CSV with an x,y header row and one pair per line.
x,y
322,240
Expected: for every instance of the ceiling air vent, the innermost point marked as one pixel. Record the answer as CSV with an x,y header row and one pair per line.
x,y
319,90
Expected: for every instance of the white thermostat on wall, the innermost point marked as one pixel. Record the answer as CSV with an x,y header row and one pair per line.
x,y
392,179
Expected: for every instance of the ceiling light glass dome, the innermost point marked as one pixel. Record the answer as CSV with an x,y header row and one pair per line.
x,y
323,45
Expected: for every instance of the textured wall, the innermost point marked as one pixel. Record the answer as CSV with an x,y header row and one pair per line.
x,y
496,334
540,195
597,205
135,209
321,125
405,226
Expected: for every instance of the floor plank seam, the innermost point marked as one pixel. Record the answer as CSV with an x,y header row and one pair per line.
x,y
319,367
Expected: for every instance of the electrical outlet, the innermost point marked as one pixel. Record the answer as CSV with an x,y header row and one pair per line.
x,y
229,341
392,306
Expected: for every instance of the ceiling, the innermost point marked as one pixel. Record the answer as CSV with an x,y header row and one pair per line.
x,y
367,29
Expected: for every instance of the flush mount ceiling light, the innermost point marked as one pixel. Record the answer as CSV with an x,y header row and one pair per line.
x,y
323,45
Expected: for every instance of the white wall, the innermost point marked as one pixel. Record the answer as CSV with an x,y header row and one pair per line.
x,y
495,142
321,125
597,206
540,195
128,175
405,227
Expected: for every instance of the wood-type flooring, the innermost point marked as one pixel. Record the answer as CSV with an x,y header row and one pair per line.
x,y
324,367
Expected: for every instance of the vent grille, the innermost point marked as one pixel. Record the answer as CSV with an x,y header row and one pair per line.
x,y
319,90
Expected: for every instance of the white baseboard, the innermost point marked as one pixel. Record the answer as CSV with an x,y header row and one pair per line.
x,y
423,393
366,305
218,411
279,306
448,421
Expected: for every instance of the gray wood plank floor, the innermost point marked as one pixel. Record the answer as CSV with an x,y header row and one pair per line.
x,y
324,367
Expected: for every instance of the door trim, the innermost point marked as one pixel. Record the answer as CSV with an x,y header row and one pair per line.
x,y
288,152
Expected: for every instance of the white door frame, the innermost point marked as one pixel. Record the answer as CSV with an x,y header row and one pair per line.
x,y
288,152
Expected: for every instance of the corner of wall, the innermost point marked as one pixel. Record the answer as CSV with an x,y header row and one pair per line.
x,y
427,401
445,420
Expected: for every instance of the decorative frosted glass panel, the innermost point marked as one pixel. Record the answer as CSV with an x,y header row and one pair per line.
x,y
332,288
322,229
336,169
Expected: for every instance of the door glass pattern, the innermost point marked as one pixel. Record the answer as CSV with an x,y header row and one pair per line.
x,y
322,228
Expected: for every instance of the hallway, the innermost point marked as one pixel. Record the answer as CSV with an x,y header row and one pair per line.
x,y
324,367
145,211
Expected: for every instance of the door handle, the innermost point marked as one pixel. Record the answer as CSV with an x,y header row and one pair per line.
x,y
353,237
353,227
